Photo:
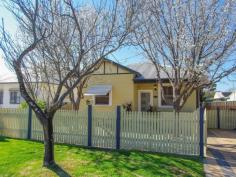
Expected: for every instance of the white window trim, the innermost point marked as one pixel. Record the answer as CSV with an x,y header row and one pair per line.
x,y
110,100
139,97
159,100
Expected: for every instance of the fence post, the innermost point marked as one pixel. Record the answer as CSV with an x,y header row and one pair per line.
x,y
89,125
118,127
201,121
218,117
29,123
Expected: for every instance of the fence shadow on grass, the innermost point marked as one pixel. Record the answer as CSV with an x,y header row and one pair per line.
x,y
59,171
132,161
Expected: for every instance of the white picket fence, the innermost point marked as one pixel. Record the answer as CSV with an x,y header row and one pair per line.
x,y
161,132
69,127
104,129
146,131
13,123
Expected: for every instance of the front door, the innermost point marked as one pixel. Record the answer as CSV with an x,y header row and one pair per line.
x,y
145,100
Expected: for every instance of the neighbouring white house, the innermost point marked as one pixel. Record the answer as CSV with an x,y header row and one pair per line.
x,y
232,96
225,96
9,92
9,88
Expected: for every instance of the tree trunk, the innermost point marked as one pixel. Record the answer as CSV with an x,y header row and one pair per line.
x,y
48,143
75,106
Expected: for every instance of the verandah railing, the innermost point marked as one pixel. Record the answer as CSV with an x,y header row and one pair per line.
x,y
146,131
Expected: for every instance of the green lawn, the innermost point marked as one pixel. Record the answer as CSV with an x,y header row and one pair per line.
x,y
24,158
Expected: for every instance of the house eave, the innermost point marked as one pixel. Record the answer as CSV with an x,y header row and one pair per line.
x,y
150,80
8,82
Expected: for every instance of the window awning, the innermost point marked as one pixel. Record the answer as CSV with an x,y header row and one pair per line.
x,y
98,90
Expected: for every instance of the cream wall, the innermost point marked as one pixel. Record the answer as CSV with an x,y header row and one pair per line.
x,y
121,81
122,90
190,104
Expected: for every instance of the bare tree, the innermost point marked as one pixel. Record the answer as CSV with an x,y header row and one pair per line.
x,y
76,96
191,42
59,44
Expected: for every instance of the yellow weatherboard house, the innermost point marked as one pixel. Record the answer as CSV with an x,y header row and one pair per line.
x,y
136,85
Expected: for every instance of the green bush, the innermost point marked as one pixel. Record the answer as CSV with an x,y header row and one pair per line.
x,y
40,103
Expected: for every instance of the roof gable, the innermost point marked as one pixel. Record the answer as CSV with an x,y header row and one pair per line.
x,y
111,67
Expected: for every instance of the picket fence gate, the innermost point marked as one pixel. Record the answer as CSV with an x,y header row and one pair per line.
x,y
164,132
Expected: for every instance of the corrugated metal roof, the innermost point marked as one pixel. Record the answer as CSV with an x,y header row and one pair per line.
x,y
147,70
9,78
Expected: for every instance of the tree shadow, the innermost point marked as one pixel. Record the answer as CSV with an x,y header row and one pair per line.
x,y
3,139
59,171
132,161
221,133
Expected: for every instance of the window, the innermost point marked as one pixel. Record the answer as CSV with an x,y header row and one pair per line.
x,y
102,99
14,97
168,96
1,97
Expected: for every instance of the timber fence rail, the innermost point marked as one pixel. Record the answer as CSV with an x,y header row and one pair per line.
x,y
165,132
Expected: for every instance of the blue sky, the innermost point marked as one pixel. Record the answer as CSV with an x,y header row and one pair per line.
x,y
125,55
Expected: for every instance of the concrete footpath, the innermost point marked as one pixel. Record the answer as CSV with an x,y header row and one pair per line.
x,y
221,153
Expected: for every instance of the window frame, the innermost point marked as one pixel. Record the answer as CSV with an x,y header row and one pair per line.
x,y
110,100
18,96
160,98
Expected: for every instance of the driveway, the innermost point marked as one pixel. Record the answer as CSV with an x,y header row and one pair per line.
x,y
221,153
